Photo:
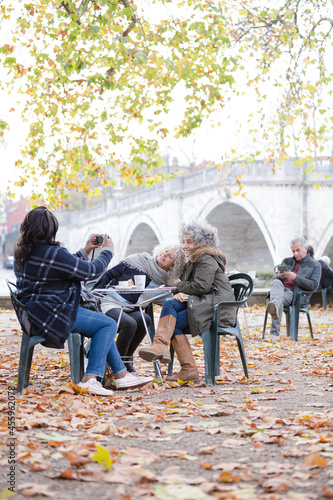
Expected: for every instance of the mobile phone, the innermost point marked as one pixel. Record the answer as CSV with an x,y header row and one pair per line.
x,y
282,269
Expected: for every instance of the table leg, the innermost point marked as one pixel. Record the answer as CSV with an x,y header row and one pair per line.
x,y
158,372
247,310
119,317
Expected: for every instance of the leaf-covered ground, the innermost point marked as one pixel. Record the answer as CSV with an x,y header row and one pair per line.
x,y
268,437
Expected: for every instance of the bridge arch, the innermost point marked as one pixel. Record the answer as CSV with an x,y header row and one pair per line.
x,y
244,236
141,236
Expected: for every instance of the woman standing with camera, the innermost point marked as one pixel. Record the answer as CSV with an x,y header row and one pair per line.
x,y
48,283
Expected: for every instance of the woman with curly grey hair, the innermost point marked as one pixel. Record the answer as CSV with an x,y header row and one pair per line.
x,y
203,284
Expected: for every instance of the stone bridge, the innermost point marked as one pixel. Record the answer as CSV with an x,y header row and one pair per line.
x,y
255,229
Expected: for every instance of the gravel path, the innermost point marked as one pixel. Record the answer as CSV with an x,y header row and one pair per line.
x,y
269,437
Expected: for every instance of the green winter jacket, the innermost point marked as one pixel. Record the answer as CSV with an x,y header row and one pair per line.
x,y
206,283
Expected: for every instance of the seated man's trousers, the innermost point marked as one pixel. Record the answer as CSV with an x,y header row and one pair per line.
x,y
281,296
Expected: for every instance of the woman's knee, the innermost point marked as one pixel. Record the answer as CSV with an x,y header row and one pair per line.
x,y
168,308
108,324
128,324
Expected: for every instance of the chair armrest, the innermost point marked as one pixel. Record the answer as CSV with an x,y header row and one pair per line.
x,y
217,308
230,303
299,295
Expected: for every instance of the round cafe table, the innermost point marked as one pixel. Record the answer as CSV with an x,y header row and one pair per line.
x,y
145,297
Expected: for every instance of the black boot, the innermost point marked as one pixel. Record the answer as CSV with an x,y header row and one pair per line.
x,y
129,364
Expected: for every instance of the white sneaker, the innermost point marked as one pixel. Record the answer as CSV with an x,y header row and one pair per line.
x,y
95,387
274,338
130,381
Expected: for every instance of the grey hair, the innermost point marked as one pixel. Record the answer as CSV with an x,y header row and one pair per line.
x,y
179,262
301,239
326,259
201,232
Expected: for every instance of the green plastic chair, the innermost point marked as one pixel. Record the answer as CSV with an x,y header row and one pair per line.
x,y
292,316
242,285
29,341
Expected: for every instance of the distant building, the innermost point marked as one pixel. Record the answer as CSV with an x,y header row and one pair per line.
x,y
14,213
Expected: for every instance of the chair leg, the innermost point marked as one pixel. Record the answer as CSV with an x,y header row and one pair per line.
x,y
28,367
76,357
295,323
288,321
209,344
217,358
292,321
309,322
242,355
264,327
150,310
170,365
23,375
324,297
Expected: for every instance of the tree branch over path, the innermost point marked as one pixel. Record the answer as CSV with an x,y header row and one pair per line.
x,y
100,80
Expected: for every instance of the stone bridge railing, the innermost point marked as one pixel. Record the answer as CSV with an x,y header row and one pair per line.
x,y
257,172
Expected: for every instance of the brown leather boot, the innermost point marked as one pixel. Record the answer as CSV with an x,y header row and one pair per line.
x,y
160,349
189,371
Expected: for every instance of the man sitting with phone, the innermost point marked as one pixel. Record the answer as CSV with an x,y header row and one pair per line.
x,y
294,275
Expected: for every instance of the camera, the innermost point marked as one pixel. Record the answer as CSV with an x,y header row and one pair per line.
x,y
99,239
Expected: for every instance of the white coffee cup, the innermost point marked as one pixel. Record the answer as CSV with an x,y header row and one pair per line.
x,y
252,274
140,280
123,284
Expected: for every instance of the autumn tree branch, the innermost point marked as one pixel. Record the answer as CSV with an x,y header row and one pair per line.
x,y
69,11
133,20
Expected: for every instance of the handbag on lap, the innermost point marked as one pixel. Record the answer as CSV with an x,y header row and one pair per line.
x,y
89,301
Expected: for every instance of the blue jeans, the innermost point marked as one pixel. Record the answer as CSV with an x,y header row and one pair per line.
x,y
102,331
179,311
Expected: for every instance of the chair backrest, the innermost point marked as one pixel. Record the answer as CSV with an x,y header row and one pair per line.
x,y
22,316
16,303
242,285
19,308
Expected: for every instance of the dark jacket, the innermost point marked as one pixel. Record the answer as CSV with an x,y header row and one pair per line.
x,y
308,276
48,284
206,283
326,274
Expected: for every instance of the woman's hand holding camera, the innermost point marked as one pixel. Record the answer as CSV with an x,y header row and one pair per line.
x,y
91,244
97,241
107,242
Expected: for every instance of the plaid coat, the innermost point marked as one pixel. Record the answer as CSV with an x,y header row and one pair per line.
x,y
48,284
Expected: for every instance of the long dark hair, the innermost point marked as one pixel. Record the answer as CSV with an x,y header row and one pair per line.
x,y
39,227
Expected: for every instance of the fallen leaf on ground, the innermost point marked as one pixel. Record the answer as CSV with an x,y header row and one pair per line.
x,y
33,489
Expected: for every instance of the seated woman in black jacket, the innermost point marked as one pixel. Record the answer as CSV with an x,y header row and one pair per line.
x,y
326,271
163,268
